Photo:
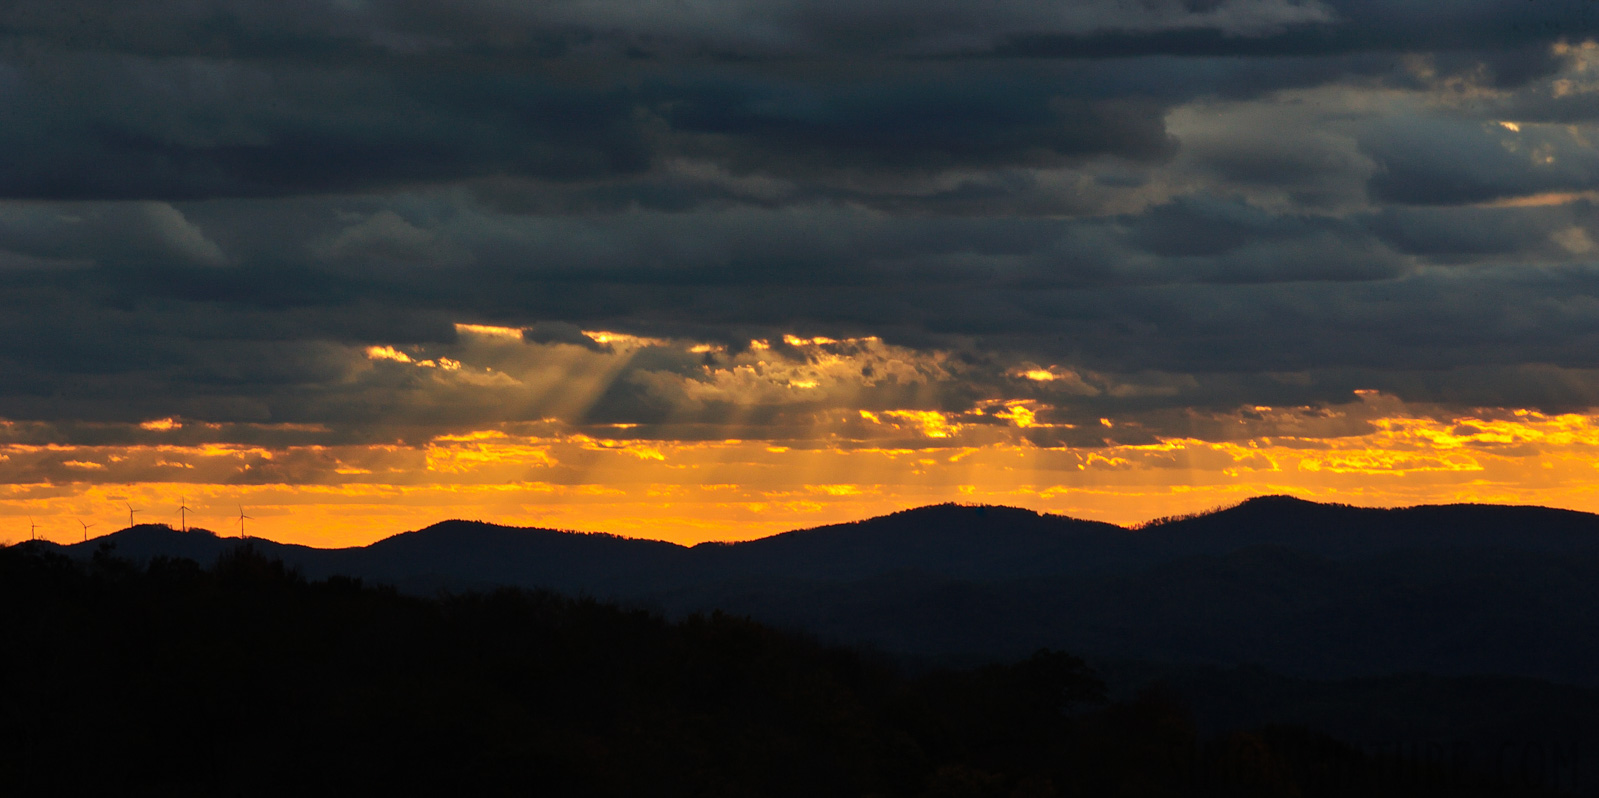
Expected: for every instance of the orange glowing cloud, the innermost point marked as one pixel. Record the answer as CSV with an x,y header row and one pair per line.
x,y
731,489
816,431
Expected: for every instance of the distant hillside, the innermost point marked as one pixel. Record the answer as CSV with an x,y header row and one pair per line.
x,y
1337,530
245,679
1314,590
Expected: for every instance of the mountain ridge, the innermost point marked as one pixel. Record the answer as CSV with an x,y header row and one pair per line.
x,y
1281,505
1306,589
981,542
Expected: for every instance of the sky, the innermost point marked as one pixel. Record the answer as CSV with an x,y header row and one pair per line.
x,y
715,269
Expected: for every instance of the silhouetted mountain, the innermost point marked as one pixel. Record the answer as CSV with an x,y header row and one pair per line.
x,y
1312,590
980,543
1335,530
461,552
145,541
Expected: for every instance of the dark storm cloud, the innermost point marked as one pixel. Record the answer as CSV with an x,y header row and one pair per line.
x,y
258,28
1446,161
1492,317
122,233
1501,28
557,332
215,208
930,121
1154,293
441,249
112,127
187,100
1463,234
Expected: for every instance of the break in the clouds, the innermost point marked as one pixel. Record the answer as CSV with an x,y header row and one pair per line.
x,y
608,229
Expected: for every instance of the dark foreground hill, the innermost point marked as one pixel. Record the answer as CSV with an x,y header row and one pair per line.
x,y
247,679
1309,590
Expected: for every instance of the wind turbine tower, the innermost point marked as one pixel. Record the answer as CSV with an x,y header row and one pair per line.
x,y
86,529
242,516
33,529
183,508
131,511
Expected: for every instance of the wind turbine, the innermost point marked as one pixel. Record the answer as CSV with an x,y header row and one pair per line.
x,y
131,511
242,516
33,529
183,507
86,529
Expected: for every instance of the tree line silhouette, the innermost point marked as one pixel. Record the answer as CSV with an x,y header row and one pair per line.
x,y
245,678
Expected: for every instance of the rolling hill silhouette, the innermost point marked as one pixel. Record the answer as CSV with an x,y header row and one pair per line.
x,y
1311,590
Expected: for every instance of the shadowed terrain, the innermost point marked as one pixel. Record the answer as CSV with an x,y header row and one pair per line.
x,y
1310,590
246,678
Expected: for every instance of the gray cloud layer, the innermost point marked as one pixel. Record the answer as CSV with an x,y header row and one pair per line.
x,y
211,209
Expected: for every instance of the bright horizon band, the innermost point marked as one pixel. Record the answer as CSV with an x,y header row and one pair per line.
x,y
693,491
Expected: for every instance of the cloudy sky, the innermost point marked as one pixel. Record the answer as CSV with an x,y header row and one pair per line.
x,y
712,269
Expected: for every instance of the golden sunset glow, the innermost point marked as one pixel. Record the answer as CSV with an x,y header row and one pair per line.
x,y
764,441
848,465
510,333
